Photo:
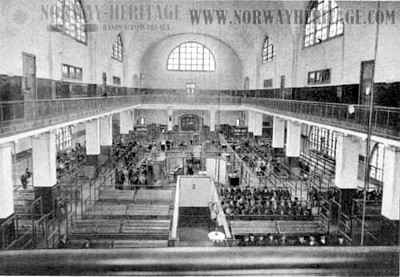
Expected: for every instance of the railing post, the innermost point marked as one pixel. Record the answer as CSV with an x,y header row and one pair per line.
x,y
81,196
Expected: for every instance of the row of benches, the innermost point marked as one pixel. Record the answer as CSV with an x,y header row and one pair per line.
x,y
277,227
106,210
134,229
140,196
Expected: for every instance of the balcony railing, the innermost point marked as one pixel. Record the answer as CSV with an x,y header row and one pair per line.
x,y
20,116
385,120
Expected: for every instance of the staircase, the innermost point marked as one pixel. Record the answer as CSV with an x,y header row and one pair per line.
x,y
194,217
23,199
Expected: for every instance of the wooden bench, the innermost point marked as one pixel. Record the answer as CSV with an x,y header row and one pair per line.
x,y
94,226
116,195
140,243
300,227
269,217
241,227
146,228
148,210
108,209
144,195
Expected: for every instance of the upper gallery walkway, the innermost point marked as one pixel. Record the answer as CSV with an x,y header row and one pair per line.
x,y
19,119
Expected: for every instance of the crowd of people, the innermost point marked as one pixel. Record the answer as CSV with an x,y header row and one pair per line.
x,y
282,240
67,160
125,156
261,201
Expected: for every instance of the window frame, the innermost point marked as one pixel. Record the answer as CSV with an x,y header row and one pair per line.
x,y
265,57
64,138
120,44
316,80
77,72
179,66
311,11
118,79
268,83
59,23
323,141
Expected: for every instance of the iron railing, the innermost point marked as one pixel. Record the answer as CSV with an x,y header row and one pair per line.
x,y
19,116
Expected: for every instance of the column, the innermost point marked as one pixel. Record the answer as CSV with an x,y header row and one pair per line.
x,y
391,184
93,141
44,164
44,160
212,120
106,133
347,159
278,133
125,122
293,142
293,146
6,182
258,124
133,119
250,122
170,120
348,149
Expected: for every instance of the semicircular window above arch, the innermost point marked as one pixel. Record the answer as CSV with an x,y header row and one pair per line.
x,y
69,17
191,56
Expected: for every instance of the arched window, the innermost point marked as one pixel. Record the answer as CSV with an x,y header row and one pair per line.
x,y
376,163
191,56
69,18
117,49
64,138
323,141
323,22
267,51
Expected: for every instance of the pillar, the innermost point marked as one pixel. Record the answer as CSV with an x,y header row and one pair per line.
x,y
133,119
106,132
391,184
250,122
6,182
93,141
212,120
347,160
258,124
293,142
293,146
278,133
44,155
170,120
44,163
125,122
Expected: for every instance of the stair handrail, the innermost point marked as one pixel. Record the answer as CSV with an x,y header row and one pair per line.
x,y
175,218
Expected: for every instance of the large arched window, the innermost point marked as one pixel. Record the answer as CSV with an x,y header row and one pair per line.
x,y
64,138
267,51
191,56
117,49
323,141
376,163
323,22
69,17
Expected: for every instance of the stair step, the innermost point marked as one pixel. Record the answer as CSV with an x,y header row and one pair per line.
x,y
140,243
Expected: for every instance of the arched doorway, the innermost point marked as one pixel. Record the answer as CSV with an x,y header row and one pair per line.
x,y
190,123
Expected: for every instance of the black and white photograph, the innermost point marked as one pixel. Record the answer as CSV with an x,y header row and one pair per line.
x,y
199,138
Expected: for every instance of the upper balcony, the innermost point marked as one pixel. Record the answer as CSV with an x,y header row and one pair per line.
x,y
19,116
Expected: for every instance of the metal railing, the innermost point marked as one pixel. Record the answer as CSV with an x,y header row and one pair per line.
x,y
18,116
386,120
